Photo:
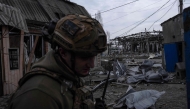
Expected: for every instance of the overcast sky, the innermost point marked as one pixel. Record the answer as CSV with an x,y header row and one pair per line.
x,y
122,17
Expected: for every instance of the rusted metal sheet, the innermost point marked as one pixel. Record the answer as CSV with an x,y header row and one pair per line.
x,y
29,8
72,8
57,8
50,8
13,17
40,11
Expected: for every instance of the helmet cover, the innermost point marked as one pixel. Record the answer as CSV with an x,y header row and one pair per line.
x,y
80,34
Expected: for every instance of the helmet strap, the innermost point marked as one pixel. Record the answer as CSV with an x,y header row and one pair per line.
x,y
63,60
73,65
72,59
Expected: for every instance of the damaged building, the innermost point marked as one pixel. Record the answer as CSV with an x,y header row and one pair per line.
x,y
174,43
21,30
143,42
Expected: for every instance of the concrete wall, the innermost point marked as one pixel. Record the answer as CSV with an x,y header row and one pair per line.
x,y
173,29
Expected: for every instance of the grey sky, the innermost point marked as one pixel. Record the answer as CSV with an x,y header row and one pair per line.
x,y
121,20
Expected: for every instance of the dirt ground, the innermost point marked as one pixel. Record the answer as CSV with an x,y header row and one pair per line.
x,y
174,97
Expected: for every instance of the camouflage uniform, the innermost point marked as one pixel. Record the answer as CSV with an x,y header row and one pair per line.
x,y
51,83
43,91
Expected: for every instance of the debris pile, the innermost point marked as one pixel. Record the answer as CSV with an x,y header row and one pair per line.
x,y
148,71
129,73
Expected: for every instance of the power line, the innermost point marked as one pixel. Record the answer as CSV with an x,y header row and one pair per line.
x,y
163,15
130,26
147,17
126,27
117,7
134,12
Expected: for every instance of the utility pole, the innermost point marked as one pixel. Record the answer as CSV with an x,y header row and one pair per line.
x,y
186,19
180,6
182,28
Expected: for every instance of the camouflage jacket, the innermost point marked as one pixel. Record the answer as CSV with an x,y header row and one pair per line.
x,y
51,85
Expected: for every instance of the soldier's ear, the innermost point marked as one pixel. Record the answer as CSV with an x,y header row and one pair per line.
x,y
63,53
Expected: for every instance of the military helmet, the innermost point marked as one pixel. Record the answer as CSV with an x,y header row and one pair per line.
x,y
80,34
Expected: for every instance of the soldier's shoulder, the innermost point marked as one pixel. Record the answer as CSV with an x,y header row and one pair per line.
x,y
41,83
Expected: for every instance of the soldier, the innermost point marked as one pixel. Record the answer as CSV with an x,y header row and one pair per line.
x,y
54,80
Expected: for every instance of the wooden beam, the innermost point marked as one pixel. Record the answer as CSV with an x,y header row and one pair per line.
x,y
21,54
32,54
6,65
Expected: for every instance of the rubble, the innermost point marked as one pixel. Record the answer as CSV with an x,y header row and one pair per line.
x,y
143,72
174,97
146,76
149,76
